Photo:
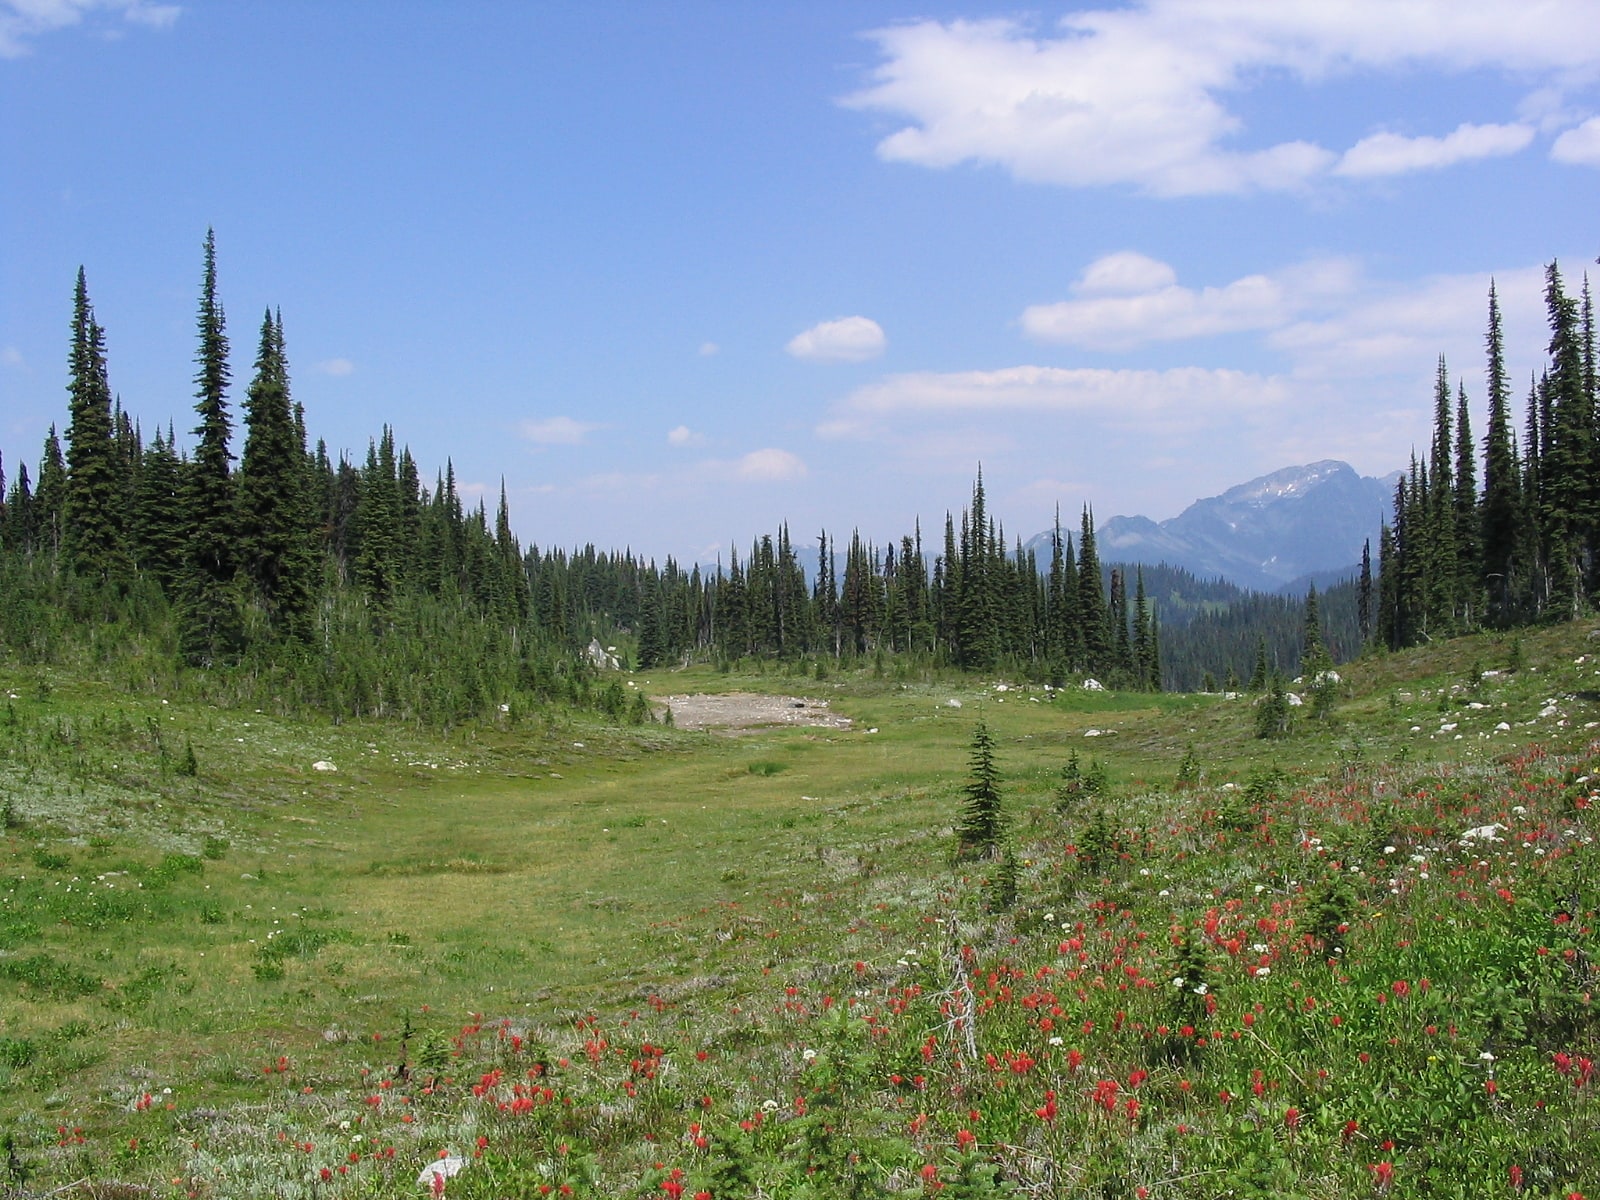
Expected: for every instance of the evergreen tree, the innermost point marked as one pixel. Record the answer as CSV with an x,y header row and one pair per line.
x,y
1146,664
1566,464
17,536
981,832
93,500
211,627
1259,674
1499,521
274,521
209,497
1466,532
49,499
1094,620
977,644
377,518
159,546
1364,595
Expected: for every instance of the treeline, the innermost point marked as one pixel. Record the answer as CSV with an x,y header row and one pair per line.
x,y
281,574
354,590
276,573
1522,548
974,606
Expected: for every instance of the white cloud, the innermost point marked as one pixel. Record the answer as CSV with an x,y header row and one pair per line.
x,y
1189,394
709,349
556,431
1127,299
1138,95
23,20
1125,273
684,436
10,356
1395,154
337,367
1401,329
1580,146
849,339
769,466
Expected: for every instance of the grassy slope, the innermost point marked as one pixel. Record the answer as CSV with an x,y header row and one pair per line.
x,y
731,897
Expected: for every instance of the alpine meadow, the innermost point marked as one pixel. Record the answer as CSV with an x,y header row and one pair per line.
x,y
825,797
340,854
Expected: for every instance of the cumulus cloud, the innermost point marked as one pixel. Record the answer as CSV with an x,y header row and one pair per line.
x,y
684,436
337,367
23,20
1127,299
1395,154
1139,95
556,431
849,339
769,466
1580,146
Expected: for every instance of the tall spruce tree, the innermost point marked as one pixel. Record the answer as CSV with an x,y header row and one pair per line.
x,y
1499,522
93,501
211,627
1094,619
1466,531
274,519
1565,466
209,496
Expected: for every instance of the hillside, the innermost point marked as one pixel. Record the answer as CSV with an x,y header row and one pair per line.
x,y
639,962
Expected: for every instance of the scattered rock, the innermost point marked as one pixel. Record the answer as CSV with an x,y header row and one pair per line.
x,y
323,764
433,1175
601,657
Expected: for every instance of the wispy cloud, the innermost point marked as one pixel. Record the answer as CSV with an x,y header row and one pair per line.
x,y
1125,397
709,350
848,339
1140,95
23,20
1401,329
337,367
11,357
556,431
1395,154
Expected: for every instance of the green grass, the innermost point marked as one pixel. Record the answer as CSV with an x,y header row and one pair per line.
x,y
272,942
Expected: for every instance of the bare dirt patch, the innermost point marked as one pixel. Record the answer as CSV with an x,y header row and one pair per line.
x,y
735,712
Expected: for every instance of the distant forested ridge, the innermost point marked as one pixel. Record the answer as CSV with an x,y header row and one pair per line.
x,y
1521,546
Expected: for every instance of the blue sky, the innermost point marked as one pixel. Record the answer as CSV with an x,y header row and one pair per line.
x,y
679,271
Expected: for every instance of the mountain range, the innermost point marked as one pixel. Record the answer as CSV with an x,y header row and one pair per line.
x,y
1280,532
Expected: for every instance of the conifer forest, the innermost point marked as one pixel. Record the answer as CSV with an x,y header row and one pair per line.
x,y
236,557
